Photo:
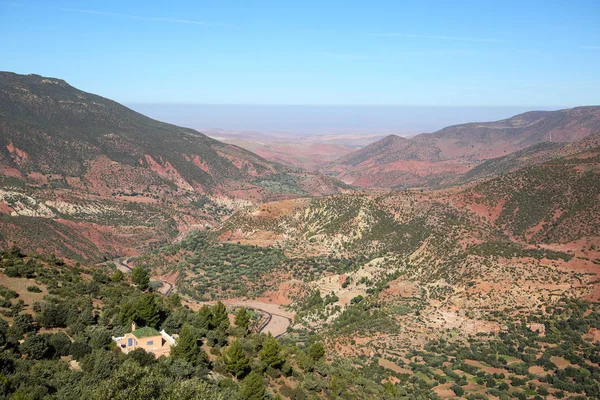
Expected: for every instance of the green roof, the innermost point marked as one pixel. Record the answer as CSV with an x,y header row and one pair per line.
x,y
145,332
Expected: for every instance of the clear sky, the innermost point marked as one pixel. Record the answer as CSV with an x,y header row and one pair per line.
x,y
426,53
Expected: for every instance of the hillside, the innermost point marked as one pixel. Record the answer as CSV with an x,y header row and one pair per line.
x,y
442,157
437,286
76,165
553,202
58,323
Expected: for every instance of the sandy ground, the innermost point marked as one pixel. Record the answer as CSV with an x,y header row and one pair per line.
x,y
19,285
394,367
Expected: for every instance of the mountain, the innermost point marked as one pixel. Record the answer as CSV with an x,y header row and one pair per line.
x,y
398,277
533,155
489,289
51,128
431,159
79,164
556,201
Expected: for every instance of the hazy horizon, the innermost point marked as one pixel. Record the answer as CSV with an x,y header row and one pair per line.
x,y
319,120
491,54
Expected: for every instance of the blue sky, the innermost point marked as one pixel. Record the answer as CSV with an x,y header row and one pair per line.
x,y
421,53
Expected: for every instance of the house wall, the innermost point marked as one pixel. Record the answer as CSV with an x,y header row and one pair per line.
x,y
152,344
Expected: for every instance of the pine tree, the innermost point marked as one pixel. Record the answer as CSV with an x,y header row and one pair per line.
x,y
140,277
203,318
187,347
236,360
242,319
270,353
253,387
219,315
174,300
118,276
316,351
146,310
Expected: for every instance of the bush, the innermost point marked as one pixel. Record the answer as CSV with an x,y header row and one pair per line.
x,y
79,350
457,390
60,343
36,347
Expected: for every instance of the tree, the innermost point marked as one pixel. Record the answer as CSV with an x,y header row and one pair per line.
x,y
52,316
316,351
36,347
236,360
203,318
192,389
174,321
253,387
60,343
79,350
146,310
118,276
99,364
99,338
140,277
219,315
270,353
129,382
218,337
187,347
142,357
174,300
22,324
242,319
3,331
457,390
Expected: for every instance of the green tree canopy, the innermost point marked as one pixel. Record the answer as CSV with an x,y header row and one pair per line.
x,y
118,276
253,387
236,360
36,347
188,347
145,310
316,351
140,277
242,319
219,314
60,343
270,353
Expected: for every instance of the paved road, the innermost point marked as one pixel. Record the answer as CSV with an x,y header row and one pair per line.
x,y
277,320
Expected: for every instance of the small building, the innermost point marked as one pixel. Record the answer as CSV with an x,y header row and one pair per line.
x,y
147,338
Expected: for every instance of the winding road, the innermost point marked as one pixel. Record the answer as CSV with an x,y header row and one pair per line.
x,y
276,323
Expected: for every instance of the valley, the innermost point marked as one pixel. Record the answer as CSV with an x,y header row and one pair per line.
x,y
462,263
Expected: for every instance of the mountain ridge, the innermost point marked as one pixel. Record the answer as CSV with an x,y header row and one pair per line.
x,y
66,154
431,159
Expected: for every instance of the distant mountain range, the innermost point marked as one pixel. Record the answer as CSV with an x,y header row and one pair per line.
x,y
49,127
447,156
77,163
87,178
